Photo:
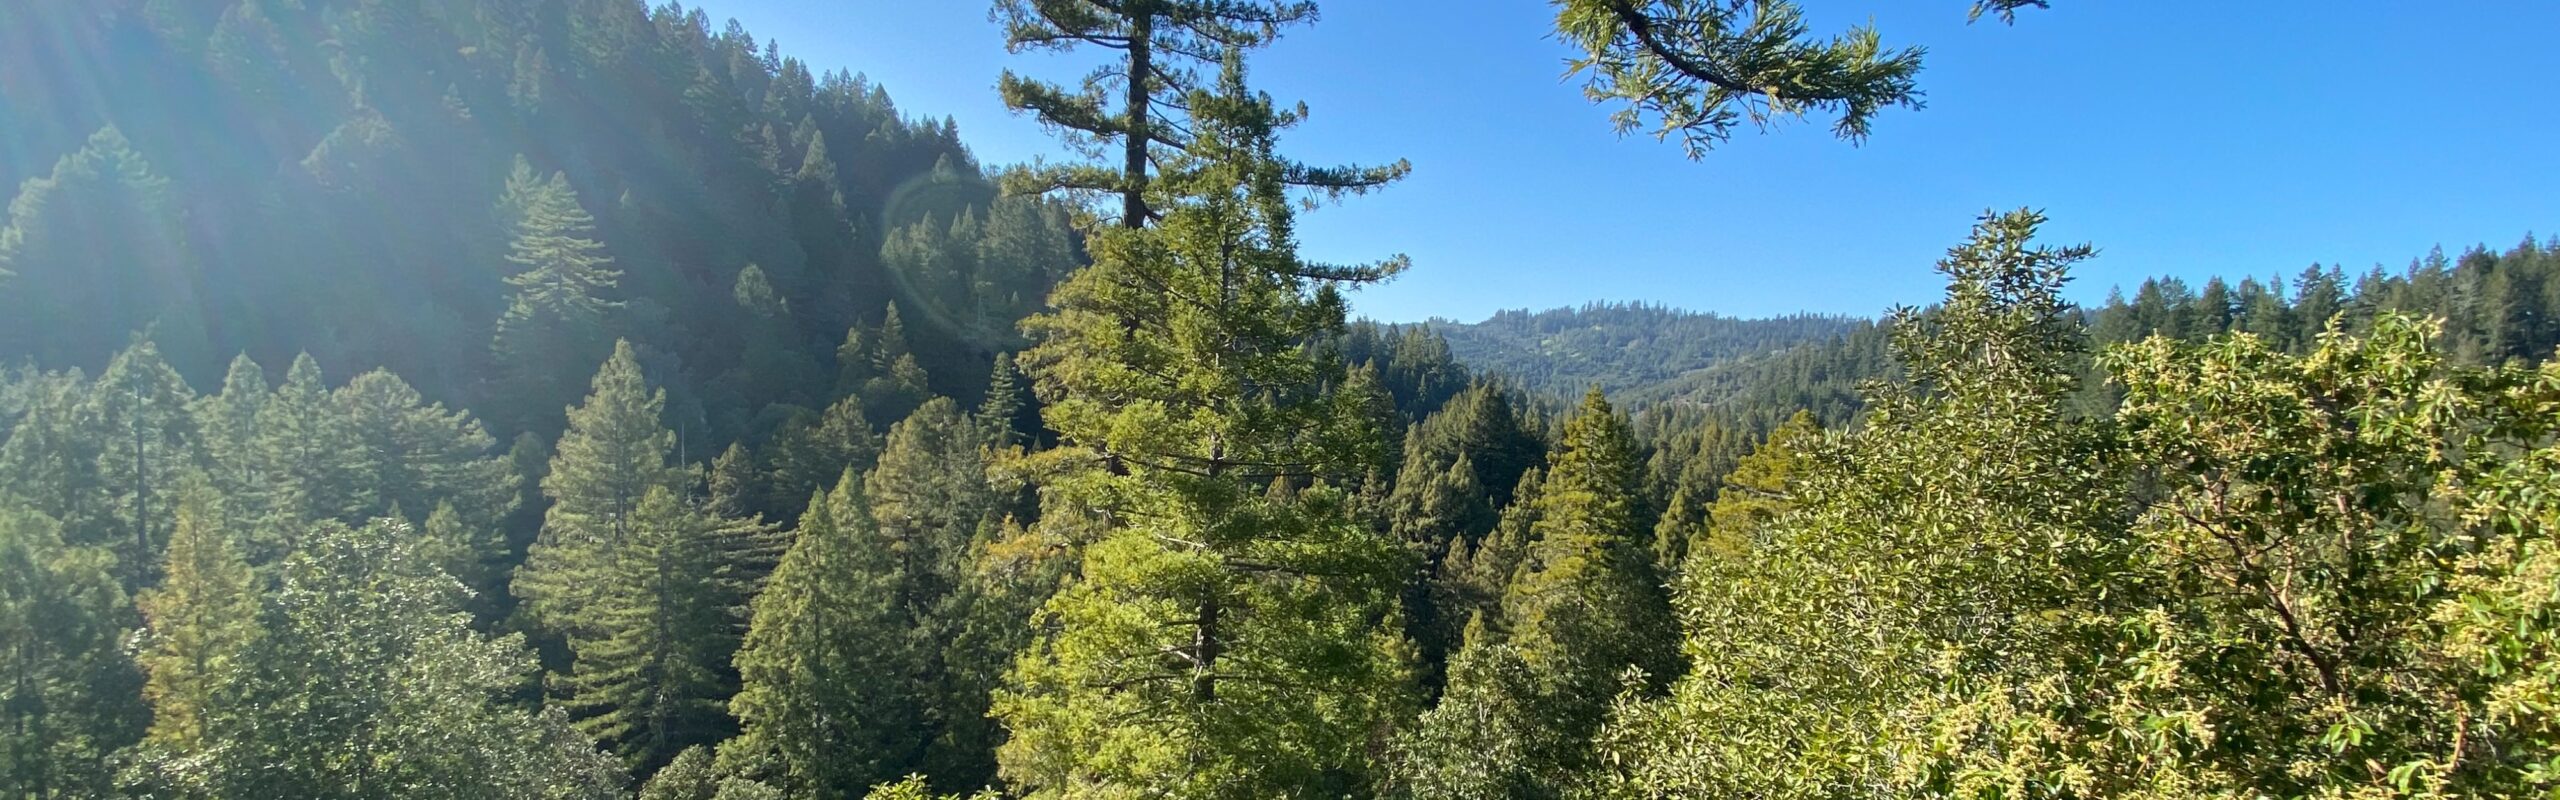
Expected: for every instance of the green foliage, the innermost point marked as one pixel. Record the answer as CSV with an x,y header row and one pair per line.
x,y
367,682
288,176
69,696
1001,411
312,460
2350,549
809,454
198,622
1487,739
558,315
140,407
1938,561
1232,632
415,456
930,499
1622,347
825,709
914,788
1755,493
653,641
692,775
1584,604
1699,69
613,456
93,252
234,455
1163,45
1581,608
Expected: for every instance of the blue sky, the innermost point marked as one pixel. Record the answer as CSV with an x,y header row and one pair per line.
x,y
2182,137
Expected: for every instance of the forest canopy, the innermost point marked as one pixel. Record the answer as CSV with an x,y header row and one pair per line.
x,y
577,399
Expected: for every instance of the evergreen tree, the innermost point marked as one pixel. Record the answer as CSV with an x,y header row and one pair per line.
x,y
1700,68
1473,579
1487,738
825,709
1932,565
808,453
97,250
1757,490
148,437
49,465
417,457
1138,103
897,381
1435,511
1233,631
228,423
558,314
1002,410
772,366
730,485
1582,608
69,697
653,644
930,498
614,454
691,776
198,622
313,458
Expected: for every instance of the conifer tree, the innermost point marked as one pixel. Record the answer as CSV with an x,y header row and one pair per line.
x,y
614,454
558,314
1001,410
772,367
653,643
1436,510
417,456
1138,103
808,454
1757,490
148,438
690,776
312,460
228,423
1699,69
930,498
1487,738
49,464
897,383
198,621
473,553
69,697
1582,609
98,250
928,495
523,183
825,707
1473,579
730,485
1232,634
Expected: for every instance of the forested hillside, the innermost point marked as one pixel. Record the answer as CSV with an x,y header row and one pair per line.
x,y
481,196
2496,305
568,399
1621,346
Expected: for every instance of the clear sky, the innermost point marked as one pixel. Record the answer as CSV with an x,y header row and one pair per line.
x,y
2182,137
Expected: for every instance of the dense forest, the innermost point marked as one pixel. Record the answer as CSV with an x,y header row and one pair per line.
x,y
572,399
